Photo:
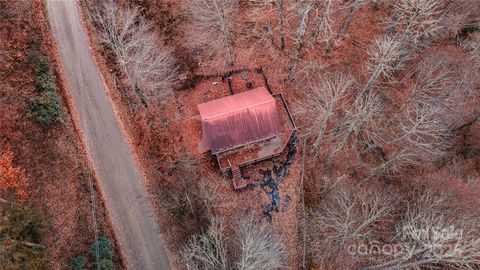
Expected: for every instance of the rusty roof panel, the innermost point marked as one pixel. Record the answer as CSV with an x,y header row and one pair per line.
x,y
240,119
226,105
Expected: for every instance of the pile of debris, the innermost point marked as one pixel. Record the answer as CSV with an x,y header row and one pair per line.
x,y
270,184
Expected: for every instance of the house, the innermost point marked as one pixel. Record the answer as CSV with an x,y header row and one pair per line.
x,y
245,128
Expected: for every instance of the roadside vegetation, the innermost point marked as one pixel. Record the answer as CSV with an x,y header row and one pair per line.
x,y
147,66
46,108
45,217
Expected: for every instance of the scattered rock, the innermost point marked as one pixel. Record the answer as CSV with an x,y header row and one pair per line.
x,y
270,184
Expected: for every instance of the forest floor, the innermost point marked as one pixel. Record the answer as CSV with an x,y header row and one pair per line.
x,y
163,137
180,134
53,158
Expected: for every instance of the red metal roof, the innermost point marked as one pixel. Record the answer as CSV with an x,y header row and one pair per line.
x,y
240,119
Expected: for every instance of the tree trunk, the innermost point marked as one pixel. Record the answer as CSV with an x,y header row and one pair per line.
x,y
366,89
348,19
140,95
475,117
281,19
27,244
299,44
393,24
133,85
230,55
4,201
226,38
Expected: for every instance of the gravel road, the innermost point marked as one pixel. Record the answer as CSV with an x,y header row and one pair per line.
x,y
120,179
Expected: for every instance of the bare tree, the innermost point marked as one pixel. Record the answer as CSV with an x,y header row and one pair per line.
x,y
345,216
153,70
208,250
211,194
473,48
396,161
300,25
310,70
420,137
417,21
435,234
262,29
299,39
384,58
434,79
323,31
414,23
362,117
149,66
323,98
314,26
266,26
445,81
212,25
258,247
423,128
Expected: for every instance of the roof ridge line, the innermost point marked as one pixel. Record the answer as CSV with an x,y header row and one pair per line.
x,y
240,108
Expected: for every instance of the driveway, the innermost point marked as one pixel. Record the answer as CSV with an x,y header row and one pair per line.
x,y
120,179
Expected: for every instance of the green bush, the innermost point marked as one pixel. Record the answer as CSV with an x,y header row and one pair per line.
x,y
43,65
45,80
45,109
179,210
78,263
104,249
107,265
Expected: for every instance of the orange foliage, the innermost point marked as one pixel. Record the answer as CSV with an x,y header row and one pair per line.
x,y
12,178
